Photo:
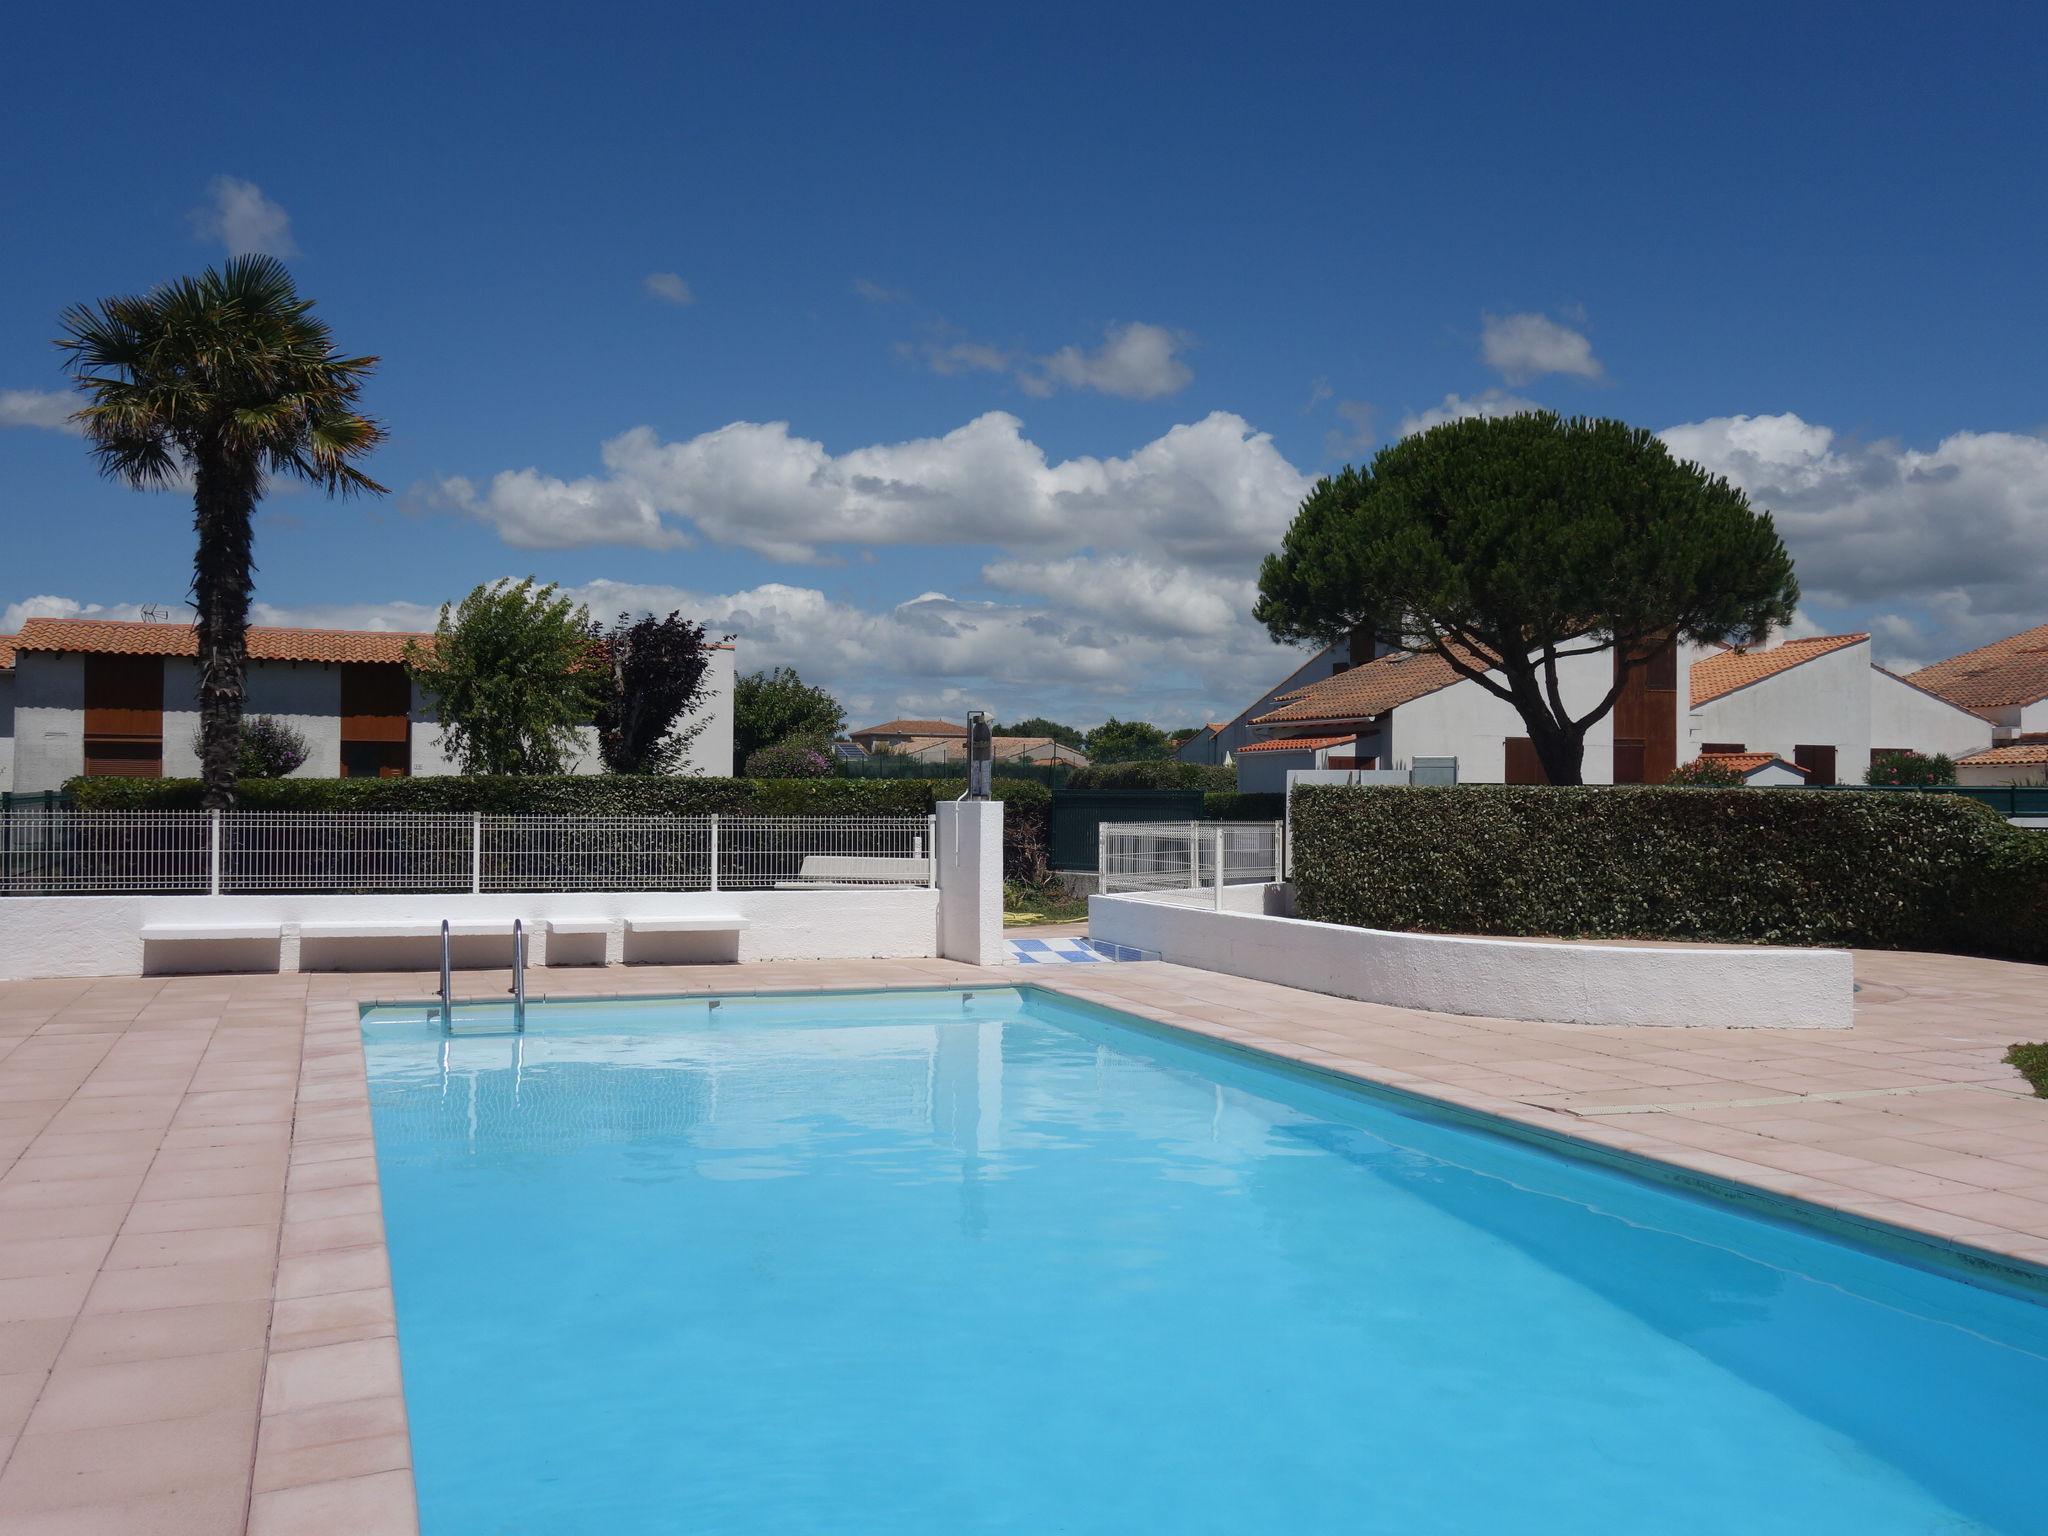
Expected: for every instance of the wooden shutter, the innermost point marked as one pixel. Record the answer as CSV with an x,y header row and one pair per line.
x,y
1628,762
124,716
1819,763
1524,766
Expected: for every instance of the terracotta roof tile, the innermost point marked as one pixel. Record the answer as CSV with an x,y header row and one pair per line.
x,y
912,728
1296,744
117,637
7,651
2027,750
1723,673
1746,763
1368,689
2006,672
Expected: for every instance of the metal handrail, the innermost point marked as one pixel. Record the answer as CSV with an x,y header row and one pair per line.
x,y
519,975
447,981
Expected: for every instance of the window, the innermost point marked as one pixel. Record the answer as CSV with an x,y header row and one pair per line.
x,y
1628,762
1819,763
1524,766
1723,748
124,716
376,721
1660,672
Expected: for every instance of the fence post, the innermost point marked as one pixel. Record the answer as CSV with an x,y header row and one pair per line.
x,y
213,853
476,852
1219,868
1279,851
714,850
931,845
1194,856
1102,857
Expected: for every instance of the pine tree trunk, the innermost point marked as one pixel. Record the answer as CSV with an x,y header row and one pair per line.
x,y
1562,753
224,504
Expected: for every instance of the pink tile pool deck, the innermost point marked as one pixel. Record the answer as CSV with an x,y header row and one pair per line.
x,y
196,1326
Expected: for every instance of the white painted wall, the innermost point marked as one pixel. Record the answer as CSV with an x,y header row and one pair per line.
x,y
1904,716
49,720
1564,983
710,755
1822,702
102,935
6,730
970,871
305,695
1466,722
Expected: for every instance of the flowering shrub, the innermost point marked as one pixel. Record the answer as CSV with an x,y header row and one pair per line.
x,y
1702,773
790,760
1910,768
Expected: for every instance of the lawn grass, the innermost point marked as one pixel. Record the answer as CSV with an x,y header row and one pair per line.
x,y
1024,905
2032,1060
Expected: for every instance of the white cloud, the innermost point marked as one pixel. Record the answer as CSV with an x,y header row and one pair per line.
x,y
1527,346
1491,402
46,606
875,293
1147,596
1135,362
669,287
1959,531
1355,435
1211,493
48,409
244,220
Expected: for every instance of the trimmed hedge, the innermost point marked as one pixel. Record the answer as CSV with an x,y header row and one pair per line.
x,y
1244,805
1154,774
1773,866
579,795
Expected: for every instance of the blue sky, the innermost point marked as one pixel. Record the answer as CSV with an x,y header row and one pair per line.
x,y
969,359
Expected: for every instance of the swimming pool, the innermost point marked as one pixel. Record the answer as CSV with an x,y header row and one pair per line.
x,y
927,1262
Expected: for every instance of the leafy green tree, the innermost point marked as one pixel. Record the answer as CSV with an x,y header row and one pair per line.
x,y
514,677
653,677
1125,741
774,706
1038,725
1910,768
1505,545
225,378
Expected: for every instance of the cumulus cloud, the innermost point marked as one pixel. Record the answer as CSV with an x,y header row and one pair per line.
x,y
1149,596
1215,492
46,606
1490,402
1527,346
49,409
668,287
1135,362
1958,531
240,217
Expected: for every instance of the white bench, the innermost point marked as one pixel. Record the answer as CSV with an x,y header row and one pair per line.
x,y
706,923
421,928
569,925
153,933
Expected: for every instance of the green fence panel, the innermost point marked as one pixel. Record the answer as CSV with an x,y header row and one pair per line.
x,y
1077,813
2006,799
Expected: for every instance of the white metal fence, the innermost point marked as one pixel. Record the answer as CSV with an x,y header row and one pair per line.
x,y
1187,855
85,853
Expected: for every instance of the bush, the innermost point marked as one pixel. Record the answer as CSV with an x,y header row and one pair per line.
x,y
1244,805
507,795
1701,773
790,760
1916,768
1154,775
270,748
1752,866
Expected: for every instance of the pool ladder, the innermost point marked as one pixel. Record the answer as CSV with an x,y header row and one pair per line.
x,y
518,978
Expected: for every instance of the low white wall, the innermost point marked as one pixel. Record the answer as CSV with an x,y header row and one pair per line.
x,y
102,935
1560,983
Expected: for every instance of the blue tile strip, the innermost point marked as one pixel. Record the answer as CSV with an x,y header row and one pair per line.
x,y
1070,952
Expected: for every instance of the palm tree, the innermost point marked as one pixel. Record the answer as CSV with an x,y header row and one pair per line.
x,y
225,378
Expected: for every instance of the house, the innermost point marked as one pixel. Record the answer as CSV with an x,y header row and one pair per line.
x,y
1219,741
6,713
894,735
1805,700
1389,710
1759,770
952,748
101,696
2022,760
2006,682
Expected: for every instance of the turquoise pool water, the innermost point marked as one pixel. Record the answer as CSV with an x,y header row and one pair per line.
x,y
916,1264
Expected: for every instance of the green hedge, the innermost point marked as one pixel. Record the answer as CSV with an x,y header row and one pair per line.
x,y
1773,866
1244,805
581,795
1156,774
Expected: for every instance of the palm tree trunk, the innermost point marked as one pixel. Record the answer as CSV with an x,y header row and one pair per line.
x,y
223,575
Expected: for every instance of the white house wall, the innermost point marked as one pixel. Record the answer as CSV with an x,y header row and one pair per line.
x,y
6,731
1904,716
1466,722
1822,702
305,696
49,720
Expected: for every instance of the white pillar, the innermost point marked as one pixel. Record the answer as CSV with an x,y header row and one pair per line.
x,y
970,864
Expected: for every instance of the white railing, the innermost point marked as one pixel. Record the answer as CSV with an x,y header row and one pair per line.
x,y
83,853
1188,855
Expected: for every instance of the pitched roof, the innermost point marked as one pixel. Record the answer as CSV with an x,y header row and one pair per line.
x,y
911,728
1723,673
1368,689
2006,672
2029,749
1296,744
7,651
1907,682
1746,763
119,637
